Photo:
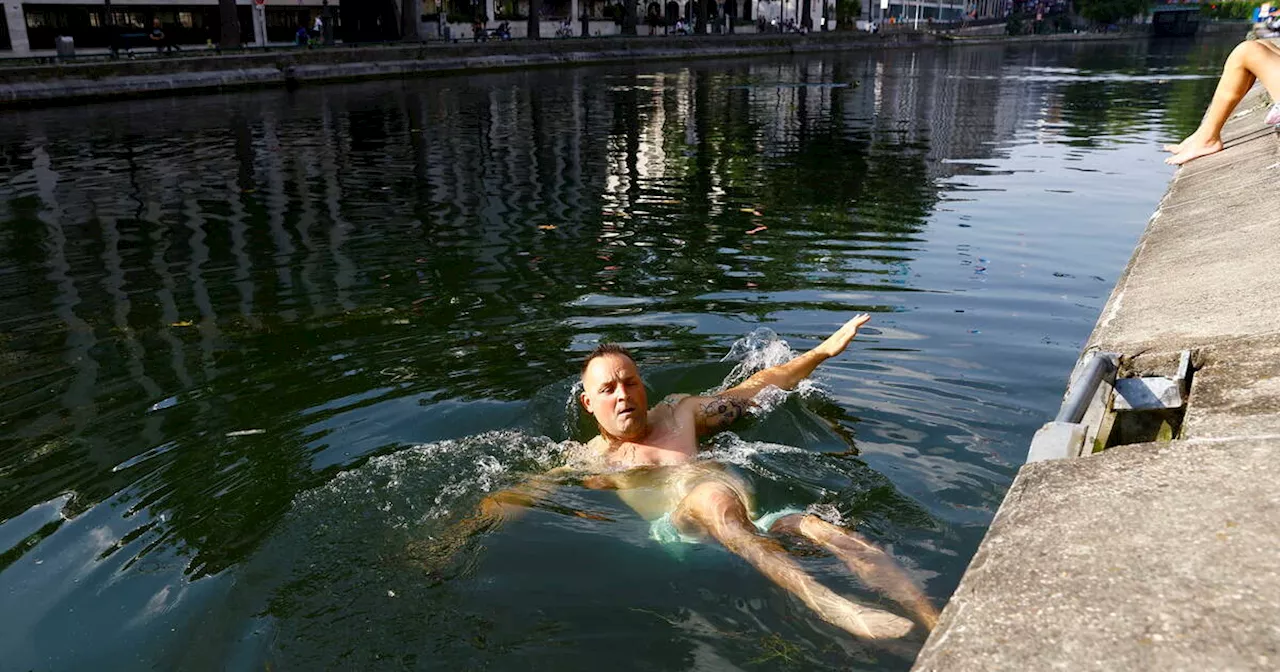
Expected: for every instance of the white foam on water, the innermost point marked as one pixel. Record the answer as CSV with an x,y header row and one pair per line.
x,y
570,423
755,352
430,481
729,448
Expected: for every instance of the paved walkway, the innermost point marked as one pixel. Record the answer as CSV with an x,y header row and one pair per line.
x,y
1157,556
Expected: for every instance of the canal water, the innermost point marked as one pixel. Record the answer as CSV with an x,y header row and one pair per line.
x,y
263,353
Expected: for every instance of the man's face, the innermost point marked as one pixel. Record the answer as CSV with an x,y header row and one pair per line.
x,y
613,392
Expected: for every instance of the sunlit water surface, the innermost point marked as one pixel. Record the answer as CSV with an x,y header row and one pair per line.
x,y
262,352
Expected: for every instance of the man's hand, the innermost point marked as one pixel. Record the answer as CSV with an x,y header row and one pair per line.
x,y
787,376
837,342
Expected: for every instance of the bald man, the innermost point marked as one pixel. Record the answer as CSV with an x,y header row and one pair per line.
x,y
648,455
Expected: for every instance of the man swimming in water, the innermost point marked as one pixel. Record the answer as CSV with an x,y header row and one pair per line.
x,y
649,456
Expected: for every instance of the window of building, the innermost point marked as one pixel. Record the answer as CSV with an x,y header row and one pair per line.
x,y
129,19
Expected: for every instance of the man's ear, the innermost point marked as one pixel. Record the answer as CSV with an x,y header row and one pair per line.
x,y
585,401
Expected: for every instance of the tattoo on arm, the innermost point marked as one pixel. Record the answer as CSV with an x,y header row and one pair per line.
x,y
717,413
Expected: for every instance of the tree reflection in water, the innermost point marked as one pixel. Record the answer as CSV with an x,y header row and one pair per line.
x,y
355,269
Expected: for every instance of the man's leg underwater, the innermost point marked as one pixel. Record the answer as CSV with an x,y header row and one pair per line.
x,y
1250,61
716,509
867,561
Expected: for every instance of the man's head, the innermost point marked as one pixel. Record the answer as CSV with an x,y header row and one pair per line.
x,y
614,394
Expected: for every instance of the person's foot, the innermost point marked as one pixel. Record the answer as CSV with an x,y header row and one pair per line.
x,y
1197,138
1193,148
866,622
1177,146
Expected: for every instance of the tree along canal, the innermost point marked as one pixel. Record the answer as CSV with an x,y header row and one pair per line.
x,y
261,352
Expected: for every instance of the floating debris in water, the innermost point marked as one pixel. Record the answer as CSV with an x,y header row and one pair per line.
x,y
547,227
756,230
246,432
170,402
143,457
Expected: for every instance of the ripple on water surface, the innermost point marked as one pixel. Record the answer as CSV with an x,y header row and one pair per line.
x,y
262,354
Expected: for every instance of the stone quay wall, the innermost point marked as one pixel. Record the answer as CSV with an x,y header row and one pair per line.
x,y
60,83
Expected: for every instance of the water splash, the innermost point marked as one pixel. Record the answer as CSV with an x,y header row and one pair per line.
x,y
728,448
431,481
755,352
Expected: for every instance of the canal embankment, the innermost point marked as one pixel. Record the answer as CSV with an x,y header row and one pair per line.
x,y
1157,554
60,83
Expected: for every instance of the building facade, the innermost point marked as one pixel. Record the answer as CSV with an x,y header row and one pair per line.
x,y
34,26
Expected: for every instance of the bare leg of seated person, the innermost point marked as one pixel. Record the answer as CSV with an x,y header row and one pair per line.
x,y
715,509
1255,60
867,561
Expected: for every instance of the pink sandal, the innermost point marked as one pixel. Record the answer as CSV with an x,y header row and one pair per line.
x,y
1273,115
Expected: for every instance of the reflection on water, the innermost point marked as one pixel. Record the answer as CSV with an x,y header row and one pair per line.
x,y
247,340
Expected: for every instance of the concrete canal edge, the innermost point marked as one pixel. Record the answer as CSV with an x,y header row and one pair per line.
x,y
52,84
1157,554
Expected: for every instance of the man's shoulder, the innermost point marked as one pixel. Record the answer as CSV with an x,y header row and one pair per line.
x,y
589,455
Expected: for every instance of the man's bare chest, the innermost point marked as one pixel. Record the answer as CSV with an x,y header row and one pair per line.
x,y
666,445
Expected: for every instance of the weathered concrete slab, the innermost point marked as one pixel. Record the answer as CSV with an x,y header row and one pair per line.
x,y
1236,392
1205,271
136,85
1144,557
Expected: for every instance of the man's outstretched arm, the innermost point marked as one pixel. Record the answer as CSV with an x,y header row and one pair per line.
x,y
713,414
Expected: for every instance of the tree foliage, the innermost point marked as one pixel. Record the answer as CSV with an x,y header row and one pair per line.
x,y
1232,9
848,11
1111,11
230,35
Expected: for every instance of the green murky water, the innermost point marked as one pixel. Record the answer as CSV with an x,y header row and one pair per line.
x,y
261,352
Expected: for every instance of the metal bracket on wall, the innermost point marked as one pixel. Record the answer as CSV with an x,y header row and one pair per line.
x,y
1154,393
1093,398
1088,398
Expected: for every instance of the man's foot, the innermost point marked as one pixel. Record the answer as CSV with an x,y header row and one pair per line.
x,y
865,560
1193,148
866,622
